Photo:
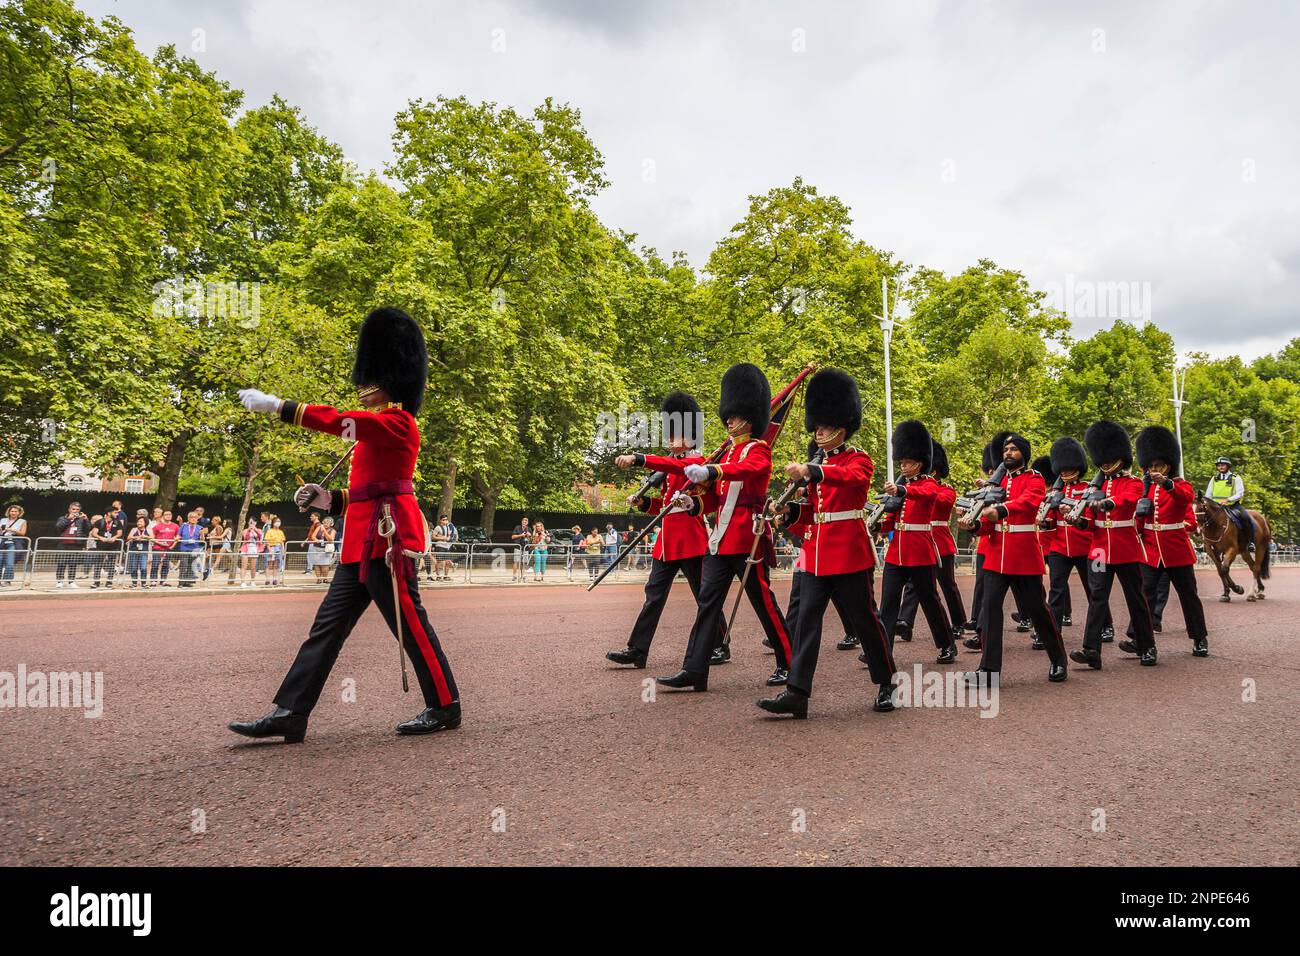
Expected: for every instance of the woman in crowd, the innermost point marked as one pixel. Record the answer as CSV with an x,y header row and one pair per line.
x,y
249,550
218,546
540,542
327,536
137,552
274,537
594,545
13,543
316,557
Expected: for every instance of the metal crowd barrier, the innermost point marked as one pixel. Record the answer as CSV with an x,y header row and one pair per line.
x,y
43,564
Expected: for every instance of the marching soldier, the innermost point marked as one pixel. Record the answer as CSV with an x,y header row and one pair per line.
x,y
912,556
990,458
1070,545
1168,547
1117,550
941,529
385,530
1014,561
683,538
737,494
838,556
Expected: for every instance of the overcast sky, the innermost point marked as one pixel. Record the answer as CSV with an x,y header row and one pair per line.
x,y
1147,143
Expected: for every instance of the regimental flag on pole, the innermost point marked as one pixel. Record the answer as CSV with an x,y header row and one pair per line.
x,y
782,403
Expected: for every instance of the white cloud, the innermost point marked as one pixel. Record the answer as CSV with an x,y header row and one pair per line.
x,y
1131,163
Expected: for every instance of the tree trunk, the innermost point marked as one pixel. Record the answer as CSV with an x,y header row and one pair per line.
x,y
448,488
489,495
250,481
170,476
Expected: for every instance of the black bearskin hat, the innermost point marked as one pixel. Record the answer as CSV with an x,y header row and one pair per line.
x,y
1107,442
1043,465
391,355
680,415
1157,443
912,440
1000,442
833,400
1067,455
746,394
940,464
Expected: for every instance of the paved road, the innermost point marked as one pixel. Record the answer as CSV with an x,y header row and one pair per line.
x,y
562,760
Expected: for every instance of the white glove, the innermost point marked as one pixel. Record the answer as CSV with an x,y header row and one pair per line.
x,y
696,473
313,496
681,501
256,401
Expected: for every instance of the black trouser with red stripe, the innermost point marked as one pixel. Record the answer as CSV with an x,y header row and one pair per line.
x,y
717,573
1058,592
853,592
1100,579
1028,591
922,579
662,575
1155,585
345,602
792,609
947,575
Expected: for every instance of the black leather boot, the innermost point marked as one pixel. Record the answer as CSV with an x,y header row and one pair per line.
x,y
1036,642
778,677
629,655
848,642
1128,647
947,655
278,723
787,702
1107,635
1057,673
684,680
433,719
1065,620
720,655
1148,657
1085,656
903,632
1200,647
884,699
975,643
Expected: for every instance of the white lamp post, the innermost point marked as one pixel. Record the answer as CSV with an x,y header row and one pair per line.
x,y
1180,385
887,327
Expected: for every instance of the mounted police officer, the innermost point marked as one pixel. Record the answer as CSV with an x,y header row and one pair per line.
x,y
1227,489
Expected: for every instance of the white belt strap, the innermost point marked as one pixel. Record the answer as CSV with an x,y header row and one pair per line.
x,y
1017,528
1168,527
822,517
913,527
938,524
1116,524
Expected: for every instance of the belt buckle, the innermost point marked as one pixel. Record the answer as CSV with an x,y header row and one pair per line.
x,y
1109,523
1005,527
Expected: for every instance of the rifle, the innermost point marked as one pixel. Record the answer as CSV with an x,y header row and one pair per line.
x,y
976,501
1076,513
885,504
1145,504
778,504
1055,495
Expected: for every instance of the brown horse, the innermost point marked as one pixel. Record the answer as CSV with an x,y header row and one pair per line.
x,y
1222,545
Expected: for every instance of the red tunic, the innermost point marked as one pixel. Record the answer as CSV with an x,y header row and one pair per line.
x,y
1066,539
838,491
1013,540
912,541
940,516
681,535
1164,533
739,491
1115,537
388,442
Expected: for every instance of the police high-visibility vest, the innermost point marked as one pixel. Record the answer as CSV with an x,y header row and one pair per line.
x,y
1222,488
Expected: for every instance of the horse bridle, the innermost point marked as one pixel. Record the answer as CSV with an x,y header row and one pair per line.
x,y
1205,537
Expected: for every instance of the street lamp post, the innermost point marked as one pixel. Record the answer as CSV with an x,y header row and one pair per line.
x,y
1180,386
887,327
